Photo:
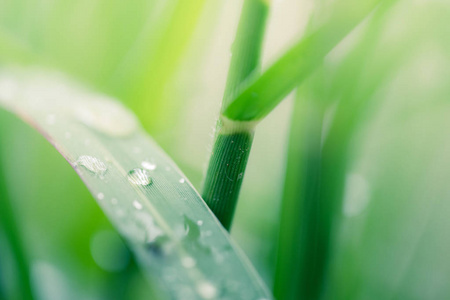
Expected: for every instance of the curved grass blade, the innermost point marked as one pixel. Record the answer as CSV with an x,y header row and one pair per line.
x,y
178,242
265,92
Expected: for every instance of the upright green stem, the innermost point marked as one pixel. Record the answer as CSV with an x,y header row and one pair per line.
x,y
316,176
299,217
234,139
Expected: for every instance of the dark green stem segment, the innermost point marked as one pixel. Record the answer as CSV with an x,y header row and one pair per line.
x,y
226,173
234,139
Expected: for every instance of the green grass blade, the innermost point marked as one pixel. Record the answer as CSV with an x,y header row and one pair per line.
x,y
316,172
14,50
233,140
177,240
247,46
262,95
301,182
155,59
12,231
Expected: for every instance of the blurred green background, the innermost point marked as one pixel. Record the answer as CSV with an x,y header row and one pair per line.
x,y
168,61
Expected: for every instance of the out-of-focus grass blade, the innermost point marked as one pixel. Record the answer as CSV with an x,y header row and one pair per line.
x,y
264,93
175,237
13,49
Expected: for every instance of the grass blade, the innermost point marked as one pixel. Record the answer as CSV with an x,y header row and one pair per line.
x,y
8,223
178,242
262,95
14,50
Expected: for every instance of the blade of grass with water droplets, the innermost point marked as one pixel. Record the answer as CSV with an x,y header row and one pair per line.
x,y
175,237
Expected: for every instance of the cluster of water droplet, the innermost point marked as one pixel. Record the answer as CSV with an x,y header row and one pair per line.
x,y
139,177
92,164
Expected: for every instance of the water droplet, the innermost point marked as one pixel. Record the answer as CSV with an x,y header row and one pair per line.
x,y
182,180
100,196
199,222
137,204
107,116
93,164
114,201
148,165
188,262
207,290
144,228
192,237
139,177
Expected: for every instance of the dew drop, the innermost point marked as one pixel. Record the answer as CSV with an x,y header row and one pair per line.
x,y
148,165
100,196
207,290
93,164
137,204
139,177
199,222
182,180
114,201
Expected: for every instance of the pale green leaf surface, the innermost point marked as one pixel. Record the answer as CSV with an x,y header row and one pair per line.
x,y
175,237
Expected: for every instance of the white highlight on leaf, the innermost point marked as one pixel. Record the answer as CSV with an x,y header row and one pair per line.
x,y
356,196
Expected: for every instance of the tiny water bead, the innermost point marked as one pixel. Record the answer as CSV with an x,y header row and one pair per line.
x,y
137,205
148,165
100,196
182,180
207,290
199,222
139,177
92,164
